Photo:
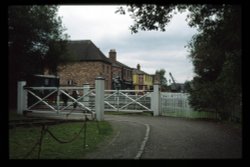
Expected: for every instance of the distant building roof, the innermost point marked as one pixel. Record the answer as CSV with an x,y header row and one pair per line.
x,y
85,50
119,64
136,71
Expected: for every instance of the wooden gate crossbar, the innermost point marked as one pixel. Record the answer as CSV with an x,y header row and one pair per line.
x,y
135,101
76,100
127,96
41,100
108,102
59,91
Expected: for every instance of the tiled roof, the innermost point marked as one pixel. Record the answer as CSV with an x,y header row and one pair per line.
x,y
119,64
85,50
136,71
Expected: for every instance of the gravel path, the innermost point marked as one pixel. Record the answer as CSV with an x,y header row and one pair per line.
x,y
148,137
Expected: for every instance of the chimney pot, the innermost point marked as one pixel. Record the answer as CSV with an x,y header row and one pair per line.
x,y
112,54
138,67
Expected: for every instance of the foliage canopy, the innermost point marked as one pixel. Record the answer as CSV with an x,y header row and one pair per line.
x,y
215,50
36,41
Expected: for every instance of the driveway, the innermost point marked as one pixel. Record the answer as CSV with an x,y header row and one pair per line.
x,y
146,137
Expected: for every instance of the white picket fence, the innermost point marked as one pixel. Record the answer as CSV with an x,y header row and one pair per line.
x,y
177,105
175,102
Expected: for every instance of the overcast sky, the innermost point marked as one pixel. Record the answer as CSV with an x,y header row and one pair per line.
x,y
153,50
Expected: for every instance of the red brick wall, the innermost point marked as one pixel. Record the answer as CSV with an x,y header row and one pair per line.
x,y
116,71
85,72
127,74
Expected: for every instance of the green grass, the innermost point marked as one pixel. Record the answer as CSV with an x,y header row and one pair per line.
x,y
21,141
127,113
190,114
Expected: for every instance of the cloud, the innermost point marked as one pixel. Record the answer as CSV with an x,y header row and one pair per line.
x,y
174,61
154,50
93,22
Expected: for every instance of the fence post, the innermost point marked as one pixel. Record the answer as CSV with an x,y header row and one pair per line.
x,y
155,100
86,89
99,98
58,100
21,97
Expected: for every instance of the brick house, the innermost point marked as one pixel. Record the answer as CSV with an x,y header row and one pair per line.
x,y
120,70
89,63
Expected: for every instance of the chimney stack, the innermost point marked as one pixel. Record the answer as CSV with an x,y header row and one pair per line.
x,y
138,67
112,54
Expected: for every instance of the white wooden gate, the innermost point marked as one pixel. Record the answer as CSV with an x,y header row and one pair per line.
x,y
88,100
52,99
127,100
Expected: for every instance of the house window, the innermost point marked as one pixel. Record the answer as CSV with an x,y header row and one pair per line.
x,y
106,84
140,79
103,68
70,82
46,82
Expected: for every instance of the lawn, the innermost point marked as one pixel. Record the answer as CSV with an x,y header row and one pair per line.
x,y
127,113
190,114
21,140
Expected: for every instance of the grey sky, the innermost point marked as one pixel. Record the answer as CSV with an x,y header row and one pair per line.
x,y
153,50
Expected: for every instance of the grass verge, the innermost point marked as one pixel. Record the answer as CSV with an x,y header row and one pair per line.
x,y
190,114
21,140
127,113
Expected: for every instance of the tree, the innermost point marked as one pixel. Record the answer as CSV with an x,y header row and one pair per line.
x,y
149,17
215,51
187,86
216,55
32,30
163,80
